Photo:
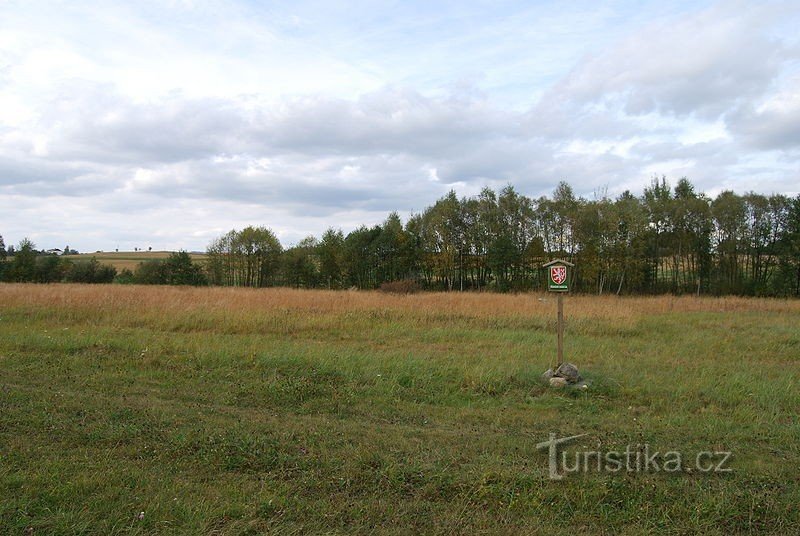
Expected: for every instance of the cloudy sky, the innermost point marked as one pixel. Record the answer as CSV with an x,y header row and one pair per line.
x,y
165,124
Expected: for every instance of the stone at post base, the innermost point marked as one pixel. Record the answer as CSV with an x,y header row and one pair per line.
x,y
565,375
569,372
556,381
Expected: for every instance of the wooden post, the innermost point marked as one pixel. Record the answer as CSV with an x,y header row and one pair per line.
x,y
560,329
558,280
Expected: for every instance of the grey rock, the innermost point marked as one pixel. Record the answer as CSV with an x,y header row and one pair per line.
x,y
555,381
547,375
569,372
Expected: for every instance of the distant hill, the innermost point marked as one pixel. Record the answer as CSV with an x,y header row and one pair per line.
x,y
129,259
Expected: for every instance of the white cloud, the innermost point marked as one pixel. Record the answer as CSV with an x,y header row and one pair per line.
x,y
178,121
701,64
773,123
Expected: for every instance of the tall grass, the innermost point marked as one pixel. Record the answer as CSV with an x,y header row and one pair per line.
x,y
476,305
241,411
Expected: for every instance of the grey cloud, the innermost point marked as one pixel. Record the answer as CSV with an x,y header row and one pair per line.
x,y
388,150
385,121
93,123
298,184
377,152
314,153
398,149
718,152
24,171
767,129
701,65
505,160
15,172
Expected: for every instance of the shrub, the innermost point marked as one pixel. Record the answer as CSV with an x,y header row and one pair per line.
x,y
178,269
90,272
124,277
49,269
151,272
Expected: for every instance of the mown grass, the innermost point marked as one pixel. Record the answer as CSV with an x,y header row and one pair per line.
x,y
231,411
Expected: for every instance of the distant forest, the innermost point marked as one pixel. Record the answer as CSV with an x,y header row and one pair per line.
x,y
667,240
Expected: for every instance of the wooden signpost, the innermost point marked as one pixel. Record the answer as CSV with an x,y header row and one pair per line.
x,y
558,280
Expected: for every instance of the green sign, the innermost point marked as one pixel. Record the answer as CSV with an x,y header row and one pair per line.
x,y
558,276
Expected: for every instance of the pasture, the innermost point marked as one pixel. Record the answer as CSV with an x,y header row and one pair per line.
x,y
127,259
161,410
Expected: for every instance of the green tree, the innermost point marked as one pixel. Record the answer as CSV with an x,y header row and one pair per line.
x,y
125,277
595,233
480,220
789,251
49,269
414,252
331,258
565,206
629,249
765,220
390,250
150,272
23,267
3,256
90,272
359,257
690,245
444,239
729,211
658,202
179,269
249,258
301,264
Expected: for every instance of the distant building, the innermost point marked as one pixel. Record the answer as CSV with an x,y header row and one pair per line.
x,y
54,251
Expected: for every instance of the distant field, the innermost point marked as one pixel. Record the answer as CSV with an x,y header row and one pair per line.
x,y
128,259
236,411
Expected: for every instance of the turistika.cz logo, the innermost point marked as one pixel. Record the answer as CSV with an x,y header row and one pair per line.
x,y
634,459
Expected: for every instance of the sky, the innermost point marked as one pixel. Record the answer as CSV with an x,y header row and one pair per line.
x,y
165,124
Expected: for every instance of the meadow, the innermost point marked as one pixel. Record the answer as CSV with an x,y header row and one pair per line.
x,y
129,260
164,410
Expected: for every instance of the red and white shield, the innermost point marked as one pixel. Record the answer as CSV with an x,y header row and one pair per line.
x,y
558,274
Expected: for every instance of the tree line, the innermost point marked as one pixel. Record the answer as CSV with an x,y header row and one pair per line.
x,y
25,264
666,240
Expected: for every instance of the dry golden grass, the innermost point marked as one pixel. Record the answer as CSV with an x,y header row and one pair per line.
x,y
244,411
473,305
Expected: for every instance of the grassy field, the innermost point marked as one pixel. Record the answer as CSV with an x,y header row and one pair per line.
x,y
127,259
147,410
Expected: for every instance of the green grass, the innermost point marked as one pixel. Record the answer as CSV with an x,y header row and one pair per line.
x,y
390,420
